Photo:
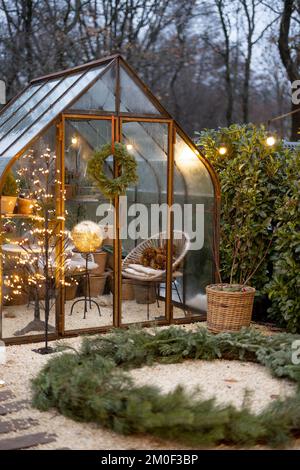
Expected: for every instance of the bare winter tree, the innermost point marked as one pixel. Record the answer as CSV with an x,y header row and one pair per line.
x,y
252,9
289,48
200,57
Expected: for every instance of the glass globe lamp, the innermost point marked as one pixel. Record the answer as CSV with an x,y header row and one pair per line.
x,y
87,236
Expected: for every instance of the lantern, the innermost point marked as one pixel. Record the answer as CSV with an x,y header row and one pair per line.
x,y
87,236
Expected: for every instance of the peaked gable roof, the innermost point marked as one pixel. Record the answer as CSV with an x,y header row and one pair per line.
x,y
41,102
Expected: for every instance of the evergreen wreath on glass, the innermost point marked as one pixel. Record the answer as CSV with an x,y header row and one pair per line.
x,y
112,188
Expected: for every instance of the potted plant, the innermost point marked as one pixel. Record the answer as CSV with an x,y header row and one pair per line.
x,y
9,194
230,305
25,204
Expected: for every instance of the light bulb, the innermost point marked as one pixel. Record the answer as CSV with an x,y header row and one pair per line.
x,y
270,141
222,150
74,140
129,146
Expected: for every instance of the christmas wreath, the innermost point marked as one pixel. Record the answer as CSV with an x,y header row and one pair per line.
x,y
93,385
114,187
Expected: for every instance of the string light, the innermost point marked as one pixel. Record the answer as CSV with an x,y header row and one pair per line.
x,y
270,141
222,149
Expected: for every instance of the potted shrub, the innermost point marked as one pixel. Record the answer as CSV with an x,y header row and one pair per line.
x,y
253,183
9,194
230,305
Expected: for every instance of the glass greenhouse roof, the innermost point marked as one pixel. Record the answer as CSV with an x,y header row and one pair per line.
x,y
38,105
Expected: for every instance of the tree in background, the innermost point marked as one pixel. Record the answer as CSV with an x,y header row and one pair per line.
x,y
289,48
284,288
201,57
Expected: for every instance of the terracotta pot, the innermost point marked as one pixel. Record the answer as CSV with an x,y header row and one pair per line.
x,y
17,299
110,261
8,204
71,290
144,292
127,288
100,258
25,206
97,285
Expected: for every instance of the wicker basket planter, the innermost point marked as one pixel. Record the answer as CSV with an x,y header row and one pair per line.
x,y
229,309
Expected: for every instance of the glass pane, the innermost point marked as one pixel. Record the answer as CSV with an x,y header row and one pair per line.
x,y
100,96
133,98
142,297
194,195
15,105
54,104
85,203
23,229
26,115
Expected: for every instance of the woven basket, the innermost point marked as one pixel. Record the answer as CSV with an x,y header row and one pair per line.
x,y
228,311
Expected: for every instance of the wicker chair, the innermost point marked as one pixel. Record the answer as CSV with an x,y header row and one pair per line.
x,y
181,242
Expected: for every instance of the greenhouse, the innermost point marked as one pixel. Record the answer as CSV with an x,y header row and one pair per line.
x,y
48,135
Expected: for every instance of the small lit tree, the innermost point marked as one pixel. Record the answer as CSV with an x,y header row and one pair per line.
x,y
40,260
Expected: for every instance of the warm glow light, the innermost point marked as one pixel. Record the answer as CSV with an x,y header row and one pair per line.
x,y
74,140
270,141
186,157
129,146
222,150
87,236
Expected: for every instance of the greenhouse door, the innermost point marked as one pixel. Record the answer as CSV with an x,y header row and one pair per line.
x,y
145,222
88,278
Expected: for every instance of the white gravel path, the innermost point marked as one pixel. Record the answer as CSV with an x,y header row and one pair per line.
x,y
227,380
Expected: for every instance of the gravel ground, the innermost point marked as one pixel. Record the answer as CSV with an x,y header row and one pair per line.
x,y
227,380
20,315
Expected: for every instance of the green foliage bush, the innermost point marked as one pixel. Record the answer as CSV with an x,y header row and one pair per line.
x,y
252,184
10,187
260,215
284,288
92,385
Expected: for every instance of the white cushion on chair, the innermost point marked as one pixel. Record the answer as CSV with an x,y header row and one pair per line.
x,y
135,273
145,270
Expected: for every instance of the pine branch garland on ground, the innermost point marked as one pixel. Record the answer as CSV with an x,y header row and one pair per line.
x,y
92,385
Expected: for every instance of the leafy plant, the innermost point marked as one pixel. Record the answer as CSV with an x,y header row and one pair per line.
x,y
10,187
284,288
253,182
91,385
